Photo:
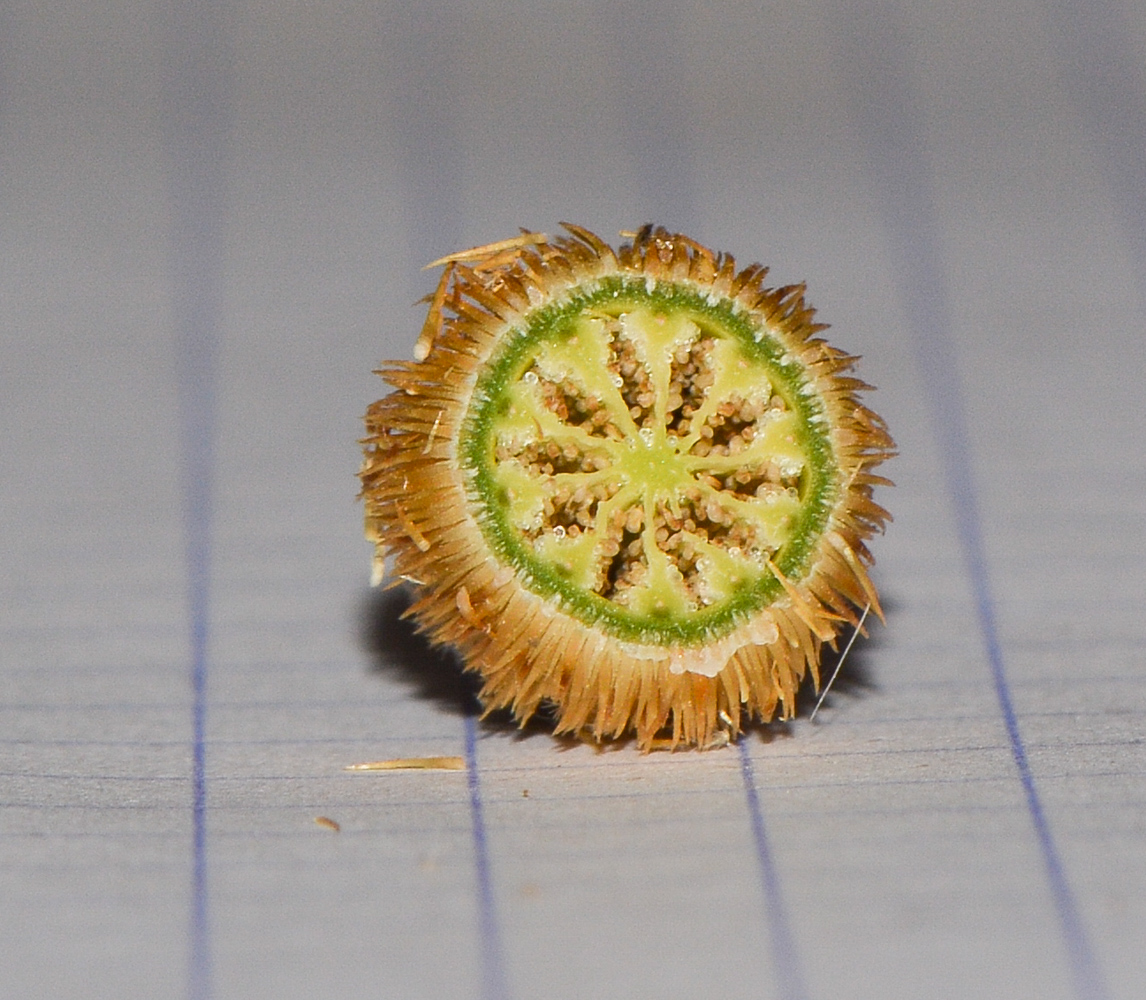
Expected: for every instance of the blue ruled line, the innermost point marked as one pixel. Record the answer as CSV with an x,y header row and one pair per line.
x,y
891,122
493,981
785,957
197,123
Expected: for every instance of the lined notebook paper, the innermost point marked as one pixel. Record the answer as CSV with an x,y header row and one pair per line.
x,y
214,219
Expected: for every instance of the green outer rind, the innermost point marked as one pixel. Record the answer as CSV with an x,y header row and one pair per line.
x,y
722,316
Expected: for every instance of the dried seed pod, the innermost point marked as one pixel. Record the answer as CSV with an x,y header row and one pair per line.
x,y
631,484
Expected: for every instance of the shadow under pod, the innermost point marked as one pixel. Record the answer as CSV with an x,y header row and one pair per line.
x,y
399,651
856,677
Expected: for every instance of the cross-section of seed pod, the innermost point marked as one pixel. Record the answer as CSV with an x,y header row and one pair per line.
x,y
632,487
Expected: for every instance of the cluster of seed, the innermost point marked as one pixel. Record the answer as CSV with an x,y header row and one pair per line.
x,y
731,427
691,378
679,535
705,518
623,551
548,458
570,405
632,378
764,481
700,519
571,510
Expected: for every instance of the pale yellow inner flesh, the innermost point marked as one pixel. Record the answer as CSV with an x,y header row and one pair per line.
x,y
650,462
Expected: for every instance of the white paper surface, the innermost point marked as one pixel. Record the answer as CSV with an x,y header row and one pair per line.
x,y
213,221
